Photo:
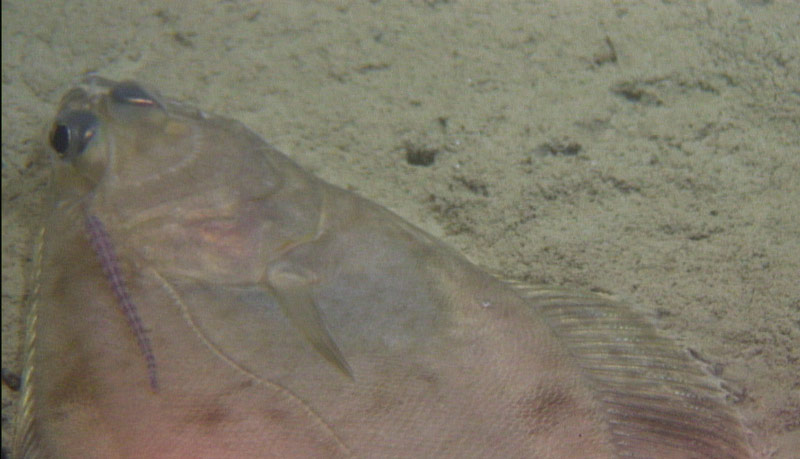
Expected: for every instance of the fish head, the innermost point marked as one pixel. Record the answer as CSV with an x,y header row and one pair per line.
x,y
106,130
193,193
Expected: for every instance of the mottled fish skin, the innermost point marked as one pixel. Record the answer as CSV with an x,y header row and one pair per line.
x,y
291,318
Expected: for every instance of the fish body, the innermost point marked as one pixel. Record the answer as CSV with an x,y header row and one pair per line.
x,y
286,317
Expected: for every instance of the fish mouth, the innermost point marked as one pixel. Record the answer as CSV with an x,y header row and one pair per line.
x,y
77,99
86,92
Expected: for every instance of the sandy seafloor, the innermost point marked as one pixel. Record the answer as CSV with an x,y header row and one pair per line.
x,y
647,149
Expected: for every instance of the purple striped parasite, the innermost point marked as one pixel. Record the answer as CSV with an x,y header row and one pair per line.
x,y
101,243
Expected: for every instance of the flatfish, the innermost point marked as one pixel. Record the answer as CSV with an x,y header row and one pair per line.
x,y
197,294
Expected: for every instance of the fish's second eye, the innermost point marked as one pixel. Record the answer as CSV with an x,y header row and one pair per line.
x,y
129,102
128,92
72,132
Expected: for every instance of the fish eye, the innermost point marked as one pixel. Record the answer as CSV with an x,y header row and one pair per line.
x,y
72,132
130,102
131,93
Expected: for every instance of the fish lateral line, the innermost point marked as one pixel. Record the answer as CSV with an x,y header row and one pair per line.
x,y
104,249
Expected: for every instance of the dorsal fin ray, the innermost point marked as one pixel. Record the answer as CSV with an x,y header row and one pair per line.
x,y
657,401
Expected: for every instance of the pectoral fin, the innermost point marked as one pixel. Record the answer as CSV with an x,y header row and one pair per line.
x,y
293,292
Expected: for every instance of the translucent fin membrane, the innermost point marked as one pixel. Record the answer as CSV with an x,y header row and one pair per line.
x,y
657,401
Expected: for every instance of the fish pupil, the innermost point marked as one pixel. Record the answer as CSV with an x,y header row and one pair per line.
x,y
59,140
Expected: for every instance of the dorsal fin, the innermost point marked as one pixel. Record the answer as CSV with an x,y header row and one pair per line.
x,y
656,400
